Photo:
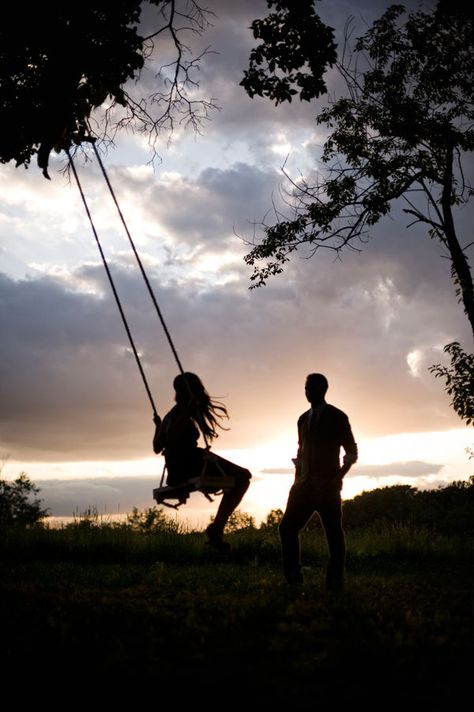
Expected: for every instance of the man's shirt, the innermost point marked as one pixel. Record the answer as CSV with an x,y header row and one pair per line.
x,y
322,431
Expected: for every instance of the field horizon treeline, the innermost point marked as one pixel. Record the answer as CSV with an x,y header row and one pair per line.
x,y
446,509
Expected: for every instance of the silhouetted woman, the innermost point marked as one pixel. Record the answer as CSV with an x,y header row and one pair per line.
x,y
177,438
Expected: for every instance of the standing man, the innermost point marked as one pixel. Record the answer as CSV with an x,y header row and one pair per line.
x,y
322,431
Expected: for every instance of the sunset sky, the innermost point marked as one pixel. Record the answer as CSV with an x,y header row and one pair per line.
x,y
73,411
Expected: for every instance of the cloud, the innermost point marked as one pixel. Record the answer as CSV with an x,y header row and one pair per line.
x,y
108,496
371,321
70,387
414,469
402,469
119,495
216,201
112,495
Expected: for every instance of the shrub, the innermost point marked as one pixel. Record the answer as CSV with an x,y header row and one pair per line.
x,y
17,508
151,521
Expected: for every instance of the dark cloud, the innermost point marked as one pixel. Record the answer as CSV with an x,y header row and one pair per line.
x,y
216,202
104,495
66,374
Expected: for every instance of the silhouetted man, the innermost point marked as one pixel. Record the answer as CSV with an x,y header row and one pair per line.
x,y
322,431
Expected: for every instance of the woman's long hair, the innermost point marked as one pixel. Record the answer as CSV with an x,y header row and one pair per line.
x,y
204,410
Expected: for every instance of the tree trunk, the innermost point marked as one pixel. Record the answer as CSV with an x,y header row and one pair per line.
x,y
459,261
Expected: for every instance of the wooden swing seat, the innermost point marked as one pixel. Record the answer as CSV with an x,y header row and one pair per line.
x,y
207,484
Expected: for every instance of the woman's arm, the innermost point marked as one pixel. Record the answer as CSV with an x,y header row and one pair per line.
x,y
176,432
158,440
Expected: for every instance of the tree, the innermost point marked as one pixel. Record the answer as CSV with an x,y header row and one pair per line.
x,y
459,381
16,506
60,64
239,521
295,51
152,521
272,521
401,132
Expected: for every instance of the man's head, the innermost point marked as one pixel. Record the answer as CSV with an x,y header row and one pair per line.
x,y
315,388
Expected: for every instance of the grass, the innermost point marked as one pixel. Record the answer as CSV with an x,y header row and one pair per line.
x,y
134,612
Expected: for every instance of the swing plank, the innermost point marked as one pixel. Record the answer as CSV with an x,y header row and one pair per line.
x,y
179,492
204,483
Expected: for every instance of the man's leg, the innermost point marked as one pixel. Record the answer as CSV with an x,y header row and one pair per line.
x,y
299,509
331,518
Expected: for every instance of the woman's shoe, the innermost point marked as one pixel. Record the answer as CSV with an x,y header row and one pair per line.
x,y
214,539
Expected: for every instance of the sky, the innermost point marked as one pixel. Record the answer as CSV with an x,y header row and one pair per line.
x,y
73,411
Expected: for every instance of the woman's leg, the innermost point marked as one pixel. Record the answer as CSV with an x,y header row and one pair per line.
x,y
230,499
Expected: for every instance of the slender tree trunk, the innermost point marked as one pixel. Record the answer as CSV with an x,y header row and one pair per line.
x,y
459,261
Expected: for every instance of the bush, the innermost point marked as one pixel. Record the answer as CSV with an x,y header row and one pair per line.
x,y
151,521
17,509
272,522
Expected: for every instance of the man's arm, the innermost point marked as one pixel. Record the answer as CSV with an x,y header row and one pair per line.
x,y
350,458
350,448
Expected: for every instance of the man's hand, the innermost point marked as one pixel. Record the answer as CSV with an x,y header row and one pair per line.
x,y
350,458
157,420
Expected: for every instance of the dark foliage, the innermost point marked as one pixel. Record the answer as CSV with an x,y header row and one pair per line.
x,y
18,507
459,380
296,49
400,133
59,63
448,509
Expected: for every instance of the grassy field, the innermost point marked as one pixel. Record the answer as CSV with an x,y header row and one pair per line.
x,y
162,613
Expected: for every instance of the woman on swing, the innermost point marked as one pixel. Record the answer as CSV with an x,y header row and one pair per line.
x,y
177,435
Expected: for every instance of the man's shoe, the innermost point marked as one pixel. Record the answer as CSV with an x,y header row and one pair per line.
x,y
335,585
295,578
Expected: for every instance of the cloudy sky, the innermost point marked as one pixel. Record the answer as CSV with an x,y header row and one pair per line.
x,y
73,411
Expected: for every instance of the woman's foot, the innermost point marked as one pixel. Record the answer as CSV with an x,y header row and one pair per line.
x,y
214,538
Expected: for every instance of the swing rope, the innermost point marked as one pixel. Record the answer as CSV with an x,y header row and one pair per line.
x,y
161,499
147,282
112,284
139,262
145,278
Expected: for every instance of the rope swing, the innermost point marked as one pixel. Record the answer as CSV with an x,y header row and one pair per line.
x,y
112,284
139,262
204,483
110,278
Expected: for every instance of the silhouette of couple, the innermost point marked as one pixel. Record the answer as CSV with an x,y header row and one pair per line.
x,y
322,431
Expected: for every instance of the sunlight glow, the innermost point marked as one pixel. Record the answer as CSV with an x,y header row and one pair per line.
x,y
446,447
273,472
282,146
415,362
